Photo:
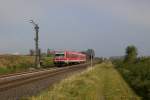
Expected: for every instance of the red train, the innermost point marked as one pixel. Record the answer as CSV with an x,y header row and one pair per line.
x,y
68,57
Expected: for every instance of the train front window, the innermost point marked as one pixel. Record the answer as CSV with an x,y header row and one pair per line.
x,y
59,55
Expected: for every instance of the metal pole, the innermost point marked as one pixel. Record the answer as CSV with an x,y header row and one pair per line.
x,y
37,48
37,55
91,60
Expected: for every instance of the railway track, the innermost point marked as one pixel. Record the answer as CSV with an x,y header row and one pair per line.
x,y
17,79
24,72
26,84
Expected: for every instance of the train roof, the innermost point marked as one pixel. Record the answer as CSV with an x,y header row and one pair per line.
x,y
71,52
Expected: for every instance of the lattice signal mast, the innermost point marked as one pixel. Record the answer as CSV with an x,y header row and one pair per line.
x,y
37,51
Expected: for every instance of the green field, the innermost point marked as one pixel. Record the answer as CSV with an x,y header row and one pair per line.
x,y
14,63
101,82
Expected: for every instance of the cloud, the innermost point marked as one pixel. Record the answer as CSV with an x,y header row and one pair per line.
x,y
13,11
62,16
17,10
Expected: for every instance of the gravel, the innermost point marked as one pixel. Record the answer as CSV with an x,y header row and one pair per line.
x,y
35,87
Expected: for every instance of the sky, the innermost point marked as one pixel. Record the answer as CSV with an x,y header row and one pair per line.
x,y
107,26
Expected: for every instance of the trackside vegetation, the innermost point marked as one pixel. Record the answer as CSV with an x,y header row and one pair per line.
x,y
15,63
136,71
137,75
101,82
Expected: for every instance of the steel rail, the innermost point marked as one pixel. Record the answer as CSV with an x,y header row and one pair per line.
x,y
23,72
20,79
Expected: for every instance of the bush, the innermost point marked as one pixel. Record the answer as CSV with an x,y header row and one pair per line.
x,y
137,75
47,62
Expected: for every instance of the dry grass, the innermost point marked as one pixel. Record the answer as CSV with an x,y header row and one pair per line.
x,y
13,63
102,82
12,60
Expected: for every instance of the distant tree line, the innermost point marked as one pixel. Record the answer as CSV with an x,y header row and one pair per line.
x,y
131,54
32,52
136,71
90,53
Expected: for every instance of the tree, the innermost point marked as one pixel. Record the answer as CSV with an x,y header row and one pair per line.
x,y
131,54
90,53
32,52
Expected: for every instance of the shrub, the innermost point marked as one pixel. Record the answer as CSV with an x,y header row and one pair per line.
x,y
137,75
47,62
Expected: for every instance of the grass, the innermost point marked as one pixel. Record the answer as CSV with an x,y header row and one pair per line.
x,y
15,63
101,82
12,60
47,62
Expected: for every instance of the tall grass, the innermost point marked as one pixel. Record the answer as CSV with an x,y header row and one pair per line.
x,y
99,83
47,62
14,63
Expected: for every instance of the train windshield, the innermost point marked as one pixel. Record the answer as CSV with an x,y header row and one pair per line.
x,y
59,55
